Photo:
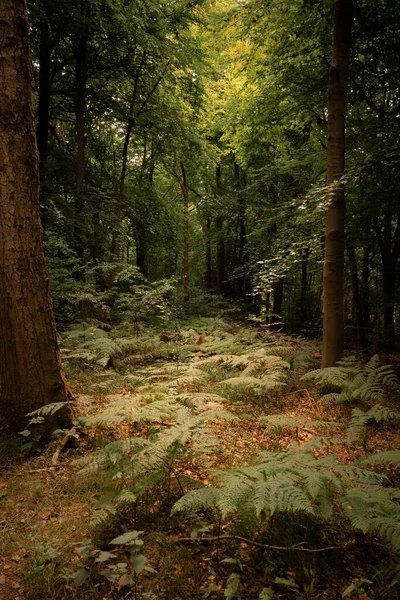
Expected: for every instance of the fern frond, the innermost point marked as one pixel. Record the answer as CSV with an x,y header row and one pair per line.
x,y
389,457
361,419
205,497
47,409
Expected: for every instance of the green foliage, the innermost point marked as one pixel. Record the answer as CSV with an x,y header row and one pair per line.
x,y
361,419
376,510
134,466
355,381
296,481
277,422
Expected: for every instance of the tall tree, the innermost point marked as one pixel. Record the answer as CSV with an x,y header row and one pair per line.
x,y
333,313
30,368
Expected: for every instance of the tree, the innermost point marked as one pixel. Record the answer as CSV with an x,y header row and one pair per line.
x,y
30,368
333,313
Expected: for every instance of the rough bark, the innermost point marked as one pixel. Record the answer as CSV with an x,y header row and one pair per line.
x,y
333,313
30,369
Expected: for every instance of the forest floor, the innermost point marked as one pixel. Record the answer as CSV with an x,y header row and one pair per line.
x,y
95,522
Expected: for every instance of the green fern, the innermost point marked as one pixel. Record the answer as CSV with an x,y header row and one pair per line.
x,y
355,381
296,481
277,422
376,510
361,419
388,457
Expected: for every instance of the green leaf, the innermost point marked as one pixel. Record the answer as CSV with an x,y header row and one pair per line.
x,y
80,576
232,587
283,581
139,563
350,589
105,556
126,538
266,594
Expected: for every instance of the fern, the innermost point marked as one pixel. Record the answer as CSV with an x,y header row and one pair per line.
x,y
355,381
361,419
389,457
375,509
277,422
294,481
48,409
134,409
281,482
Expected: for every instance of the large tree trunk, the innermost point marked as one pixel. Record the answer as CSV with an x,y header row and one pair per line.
x,y
333,314
44,95
30,369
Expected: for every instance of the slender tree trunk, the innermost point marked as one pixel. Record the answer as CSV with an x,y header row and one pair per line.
x,y
389,245
209,277
80,109
181,177
304,310
365,288
267,306
242,281
30,369
389,296
333,314
276,320
356,296
219,223
115,249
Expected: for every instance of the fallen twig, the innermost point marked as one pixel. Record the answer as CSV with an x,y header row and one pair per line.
x,y
297,548
61,445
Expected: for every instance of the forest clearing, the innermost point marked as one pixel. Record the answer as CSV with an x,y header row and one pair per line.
x,y
199,299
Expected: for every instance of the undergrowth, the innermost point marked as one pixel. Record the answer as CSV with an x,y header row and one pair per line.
x,y
262,523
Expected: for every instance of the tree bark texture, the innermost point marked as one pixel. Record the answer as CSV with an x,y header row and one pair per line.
x,y
30,369
333,313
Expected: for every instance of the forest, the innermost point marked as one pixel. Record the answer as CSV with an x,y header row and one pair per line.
x,y
199,299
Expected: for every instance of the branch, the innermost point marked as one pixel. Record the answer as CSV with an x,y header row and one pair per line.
x,y
296,548
153,89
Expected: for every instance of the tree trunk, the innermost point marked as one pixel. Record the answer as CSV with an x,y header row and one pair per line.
x,y
80,108
181,177
356,296
209,277
389,245
389,289
267,306
304,308
276,319
221,271
44,96
333,314
30,369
